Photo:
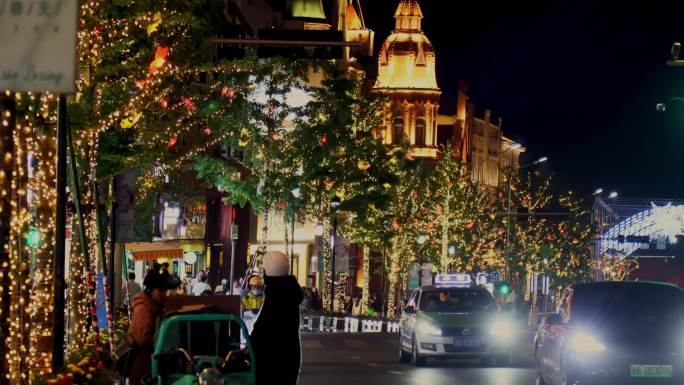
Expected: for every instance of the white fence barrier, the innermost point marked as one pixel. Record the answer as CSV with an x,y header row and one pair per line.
x,y
323,324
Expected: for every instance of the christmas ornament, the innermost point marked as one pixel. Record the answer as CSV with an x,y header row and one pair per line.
x,y
228,92
154,25
188,104
131,120
172,142
160,55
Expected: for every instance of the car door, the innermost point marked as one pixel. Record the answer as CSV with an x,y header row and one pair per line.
x,y
408,321
553,334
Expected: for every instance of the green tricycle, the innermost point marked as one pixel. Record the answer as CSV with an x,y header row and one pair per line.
x,y
206,349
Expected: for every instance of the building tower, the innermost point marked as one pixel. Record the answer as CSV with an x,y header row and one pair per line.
x,y
406,73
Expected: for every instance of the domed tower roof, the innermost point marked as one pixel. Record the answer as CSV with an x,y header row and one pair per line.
x,y
407,58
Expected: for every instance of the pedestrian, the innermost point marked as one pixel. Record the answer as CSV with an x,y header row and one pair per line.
x,y
220,288
182,288
356,307
315,301
255,296
237,286
304,305
194,281
201,286
147,306
346,304
377,306
130,290
278,324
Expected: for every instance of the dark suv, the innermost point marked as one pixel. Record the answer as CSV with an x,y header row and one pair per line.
x,y
613,333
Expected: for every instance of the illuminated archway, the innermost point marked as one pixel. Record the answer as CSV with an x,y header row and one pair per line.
x,y
659,223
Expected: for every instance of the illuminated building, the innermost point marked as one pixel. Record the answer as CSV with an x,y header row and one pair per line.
x,y
406,73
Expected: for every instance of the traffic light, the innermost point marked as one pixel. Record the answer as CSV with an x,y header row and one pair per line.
x,y
504,289
34,239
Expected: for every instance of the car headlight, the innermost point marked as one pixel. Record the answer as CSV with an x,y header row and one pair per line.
x,y
502,329
585,343
428,328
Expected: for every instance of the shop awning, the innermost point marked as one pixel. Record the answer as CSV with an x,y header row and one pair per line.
x,y
152,251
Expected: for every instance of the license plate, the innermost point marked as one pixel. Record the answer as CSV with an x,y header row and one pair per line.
x,y
467,342
651,371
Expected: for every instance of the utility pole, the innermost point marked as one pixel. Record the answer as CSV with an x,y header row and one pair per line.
x,y
60,238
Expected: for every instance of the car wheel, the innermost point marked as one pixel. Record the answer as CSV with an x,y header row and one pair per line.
x,y
416,360
404,357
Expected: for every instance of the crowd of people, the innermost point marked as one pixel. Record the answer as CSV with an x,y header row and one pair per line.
x,y
276,297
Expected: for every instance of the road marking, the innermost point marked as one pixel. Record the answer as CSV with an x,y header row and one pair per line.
x,y
374,365
395,372
355,357
355,344
312,344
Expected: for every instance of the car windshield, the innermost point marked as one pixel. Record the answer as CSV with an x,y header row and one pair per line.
x,y
628,305
455,300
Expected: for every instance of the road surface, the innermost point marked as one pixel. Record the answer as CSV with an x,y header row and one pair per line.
x,y
371,359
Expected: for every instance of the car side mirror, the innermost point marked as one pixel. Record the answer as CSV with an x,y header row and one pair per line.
x,y
554,319
409,309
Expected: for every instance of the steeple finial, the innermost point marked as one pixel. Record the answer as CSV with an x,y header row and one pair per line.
x,y
408,16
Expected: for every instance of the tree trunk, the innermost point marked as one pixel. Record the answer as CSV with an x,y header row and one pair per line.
x,y
40,309
7,111
366,278
19,268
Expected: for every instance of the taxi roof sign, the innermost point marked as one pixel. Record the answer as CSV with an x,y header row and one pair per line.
x,y
453,280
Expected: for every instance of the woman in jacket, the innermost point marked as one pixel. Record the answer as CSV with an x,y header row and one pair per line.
x,y
147,306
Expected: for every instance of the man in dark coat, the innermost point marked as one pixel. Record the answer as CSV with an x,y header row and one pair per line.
x,y
275,337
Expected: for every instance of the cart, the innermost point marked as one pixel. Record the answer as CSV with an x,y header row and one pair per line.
x,y
186,345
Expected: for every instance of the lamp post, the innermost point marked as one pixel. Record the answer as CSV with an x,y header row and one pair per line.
x,y
421,239
335,203
508,213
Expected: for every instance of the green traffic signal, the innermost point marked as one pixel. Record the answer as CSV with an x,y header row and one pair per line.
x,y
504,289
34,238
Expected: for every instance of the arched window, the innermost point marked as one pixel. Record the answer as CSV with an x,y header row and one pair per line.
x,y
398,131
420,132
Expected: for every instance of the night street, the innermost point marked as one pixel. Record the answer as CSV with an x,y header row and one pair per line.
x,y
361,359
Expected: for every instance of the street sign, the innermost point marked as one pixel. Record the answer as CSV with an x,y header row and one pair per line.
x,y
38,45
413,277
234,232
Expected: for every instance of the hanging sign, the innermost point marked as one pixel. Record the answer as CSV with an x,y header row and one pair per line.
x,y
38,45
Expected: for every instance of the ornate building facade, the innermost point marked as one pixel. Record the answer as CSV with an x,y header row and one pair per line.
x,y
407,75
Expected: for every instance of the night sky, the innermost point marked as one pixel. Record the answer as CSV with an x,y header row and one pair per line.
x,y
576,81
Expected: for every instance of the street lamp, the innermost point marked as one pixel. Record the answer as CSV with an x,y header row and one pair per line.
x,y
334,203
508,214
613,195
598,191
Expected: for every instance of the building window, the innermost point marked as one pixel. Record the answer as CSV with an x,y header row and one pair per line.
x,y
420,132
398,131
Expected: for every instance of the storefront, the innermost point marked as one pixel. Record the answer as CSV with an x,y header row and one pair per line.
x,y
185,258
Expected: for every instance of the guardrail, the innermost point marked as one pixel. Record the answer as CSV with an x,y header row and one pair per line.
x,y
332,324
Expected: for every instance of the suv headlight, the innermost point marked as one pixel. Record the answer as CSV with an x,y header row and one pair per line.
x,y
502,329
585,343
428,328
